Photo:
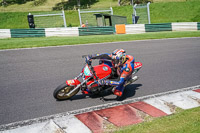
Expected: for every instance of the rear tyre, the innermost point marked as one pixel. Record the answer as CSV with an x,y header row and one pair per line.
x,y
60,93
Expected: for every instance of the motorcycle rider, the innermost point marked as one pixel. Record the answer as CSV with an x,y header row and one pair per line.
x,y
122,64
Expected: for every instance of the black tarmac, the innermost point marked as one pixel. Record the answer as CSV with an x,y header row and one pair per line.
x,y
29,76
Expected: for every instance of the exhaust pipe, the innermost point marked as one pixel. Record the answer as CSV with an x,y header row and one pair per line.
x,y
132,80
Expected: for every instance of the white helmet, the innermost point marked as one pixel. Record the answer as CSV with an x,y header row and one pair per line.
x,y
119,57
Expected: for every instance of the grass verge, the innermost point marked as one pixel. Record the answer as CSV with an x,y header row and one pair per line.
x,y
13,43
164,12
185,121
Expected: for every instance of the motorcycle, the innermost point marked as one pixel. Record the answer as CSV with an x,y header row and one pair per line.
x,y
90,76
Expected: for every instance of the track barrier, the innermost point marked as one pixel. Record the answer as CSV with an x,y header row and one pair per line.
x,y
118,29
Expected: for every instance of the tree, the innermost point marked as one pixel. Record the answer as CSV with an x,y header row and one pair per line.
x,y
7,2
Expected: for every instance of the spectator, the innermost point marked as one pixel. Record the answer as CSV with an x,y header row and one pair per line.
x,y
83,25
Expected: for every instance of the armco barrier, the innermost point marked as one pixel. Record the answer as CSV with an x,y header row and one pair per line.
x,y
75,31
5,33
27,33
96,31
135,28
61,31
198,25
185,26
120,28
158,27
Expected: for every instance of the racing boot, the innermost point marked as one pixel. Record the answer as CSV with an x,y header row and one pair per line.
x,y
117,92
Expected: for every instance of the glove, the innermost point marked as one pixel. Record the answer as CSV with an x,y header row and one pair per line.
x,y
88,59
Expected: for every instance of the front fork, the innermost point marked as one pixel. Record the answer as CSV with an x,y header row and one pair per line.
x,y
79,85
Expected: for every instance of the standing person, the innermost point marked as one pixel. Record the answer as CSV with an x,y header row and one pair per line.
x,y
83,25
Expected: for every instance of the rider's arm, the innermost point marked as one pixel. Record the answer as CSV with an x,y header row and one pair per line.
x,y
101,56
116,83
112,83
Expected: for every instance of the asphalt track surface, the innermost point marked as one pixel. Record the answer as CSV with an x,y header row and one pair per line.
x,y
29,76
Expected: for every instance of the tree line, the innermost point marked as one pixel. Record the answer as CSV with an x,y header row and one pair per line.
x,y
15,1
75,2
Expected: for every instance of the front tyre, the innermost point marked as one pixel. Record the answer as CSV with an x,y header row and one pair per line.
x,y
60,93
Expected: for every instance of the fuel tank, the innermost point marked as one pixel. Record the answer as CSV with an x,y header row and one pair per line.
x,y
102,71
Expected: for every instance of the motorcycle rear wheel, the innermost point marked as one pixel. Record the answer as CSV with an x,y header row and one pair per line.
x,y
60,93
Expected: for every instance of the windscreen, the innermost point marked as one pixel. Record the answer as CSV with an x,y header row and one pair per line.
x,y
87,71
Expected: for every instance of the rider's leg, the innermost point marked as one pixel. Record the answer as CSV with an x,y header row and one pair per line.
x,y
118,90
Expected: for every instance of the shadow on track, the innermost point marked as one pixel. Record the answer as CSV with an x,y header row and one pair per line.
x,y
129,91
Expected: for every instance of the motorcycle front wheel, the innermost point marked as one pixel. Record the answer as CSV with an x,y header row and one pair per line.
x,y
60,93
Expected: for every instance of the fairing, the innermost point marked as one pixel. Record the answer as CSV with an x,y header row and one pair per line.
x,y
137,65
73,82
102,71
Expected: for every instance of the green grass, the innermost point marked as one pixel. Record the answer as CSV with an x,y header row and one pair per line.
x,y
187,121
12,43
105,4
13,20
124,11
187,11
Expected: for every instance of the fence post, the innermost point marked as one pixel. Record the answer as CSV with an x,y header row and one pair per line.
x,y
63,12
148,12
79,14
111,10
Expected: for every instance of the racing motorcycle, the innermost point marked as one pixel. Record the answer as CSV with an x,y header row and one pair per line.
x,y
90,76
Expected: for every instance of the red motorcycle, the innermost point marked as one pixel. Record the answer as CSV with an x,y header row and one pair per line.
x,y
90,76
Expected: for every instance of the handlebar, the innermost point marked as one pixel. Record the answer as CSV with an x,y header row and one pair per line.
x,y
86,60
83,56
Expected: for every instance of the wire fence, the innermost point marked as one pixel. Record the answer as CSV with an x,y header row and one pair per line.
x,y
51,19
87,16
143,12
